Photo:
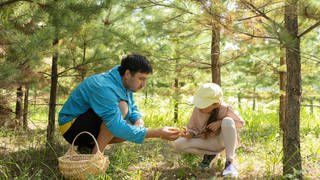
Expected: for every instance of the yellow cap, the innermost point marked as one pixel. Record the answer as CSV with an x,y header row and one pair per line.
x,y
207,94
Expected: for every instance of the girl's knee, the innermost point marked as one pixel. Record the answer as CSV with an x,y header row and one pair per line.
x,y
228,122
178,145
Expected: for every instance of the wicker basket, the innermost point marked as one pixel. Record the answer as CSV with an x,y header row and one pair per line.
x,y
80,166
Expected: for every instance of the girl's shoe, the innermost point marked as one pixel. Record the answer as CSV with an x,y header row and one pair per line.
x,y
230,170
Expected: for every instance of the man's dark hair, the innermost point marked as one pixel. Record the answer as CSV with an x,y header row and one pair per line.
x,y
135,63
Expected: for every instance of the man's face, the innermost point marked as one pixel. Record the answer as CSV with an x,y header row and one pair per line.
x,y
136,81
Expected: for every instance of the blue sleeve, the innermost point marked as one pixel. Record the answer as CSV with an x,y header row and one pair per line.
x,y
134,115
105,104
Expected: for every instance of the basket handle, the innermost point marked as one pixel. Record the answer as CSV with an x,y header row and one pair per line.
x,y
71,150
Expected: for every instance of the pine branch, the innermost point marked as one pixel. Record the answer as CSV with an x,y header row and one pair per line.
x,y
309,29
248,18
80,65
310,57
44,73
215,16
169,6
256,10
256,36
6,3
255,16
275,69
232,59
200,62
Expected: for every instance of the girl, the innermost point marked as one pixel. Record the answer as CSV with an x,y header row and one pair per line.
x,y
211,129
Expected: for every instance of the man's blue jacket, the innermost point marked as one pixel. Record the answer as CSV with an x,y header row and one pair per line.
x,y
102,93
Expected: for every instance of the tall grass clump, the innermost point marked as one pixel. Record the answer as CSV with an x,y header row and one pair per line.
x,y
28,156
160,112
25,155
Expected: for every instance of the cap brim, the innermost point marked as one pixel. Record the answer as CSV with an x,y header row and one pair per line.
x,y
201,103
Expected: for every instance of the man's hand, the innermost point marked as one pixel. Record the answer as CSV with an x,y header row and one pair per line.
x,y
214,126
169,133
139,122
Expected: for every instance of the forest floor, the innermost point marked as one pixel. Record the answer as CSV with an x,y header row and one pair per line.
x,y
24,154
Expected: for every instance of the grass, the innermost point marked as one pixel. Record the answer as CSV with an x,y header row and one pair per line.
x,y
24,154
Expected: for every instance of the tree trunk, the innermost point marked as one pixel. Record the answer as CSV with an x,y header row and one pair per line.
x,y
146,96
34,98
311,106
254,99
19,112
239,100
215,54
176,111
254,103
282,86
25,107
53,95
176,100
82,70
291,146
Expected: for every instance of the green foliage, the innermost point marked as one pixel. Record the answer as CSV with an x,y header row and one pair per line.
x,y
159,113
175,35
258,156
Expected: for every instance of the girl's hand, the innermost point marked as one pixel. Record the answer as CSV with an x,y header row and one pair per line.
x,y
184,133
214,126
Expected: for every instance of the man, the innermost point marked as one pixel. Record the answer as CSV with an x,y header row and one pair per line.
x,y
103,105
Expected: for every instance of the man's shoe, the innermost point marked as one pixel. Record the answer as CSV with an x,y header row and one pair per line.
x,y
230,170
205,163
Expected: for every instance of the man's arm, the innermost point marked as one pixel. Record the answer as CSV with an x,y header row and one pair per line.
x,y
123,105
135,114
167,133
105,104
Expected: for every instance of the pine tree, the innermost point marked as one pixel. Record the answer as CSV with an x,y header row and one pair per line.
x,y
288,36
64,18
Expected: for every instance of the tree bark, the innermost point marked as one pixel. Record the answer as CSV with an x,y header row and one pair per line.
x,y
34,98
176,100
19,112
215,54
26,107
53,95
239,100
146,96
291,146
254,99
82,70
311,106
282,87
